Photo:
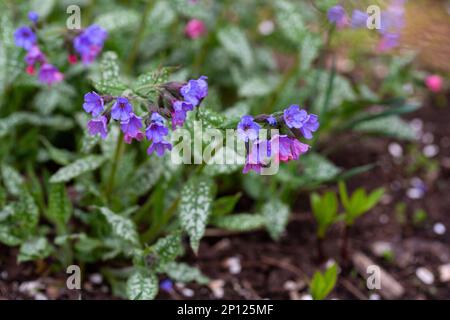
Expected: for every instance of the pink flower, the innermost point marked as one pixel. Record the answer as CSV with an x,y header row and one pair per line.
x,y
195,29
434,83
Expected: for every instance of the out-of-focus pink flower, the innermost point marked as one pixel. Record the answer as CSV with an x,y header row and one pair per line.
x,y
195,29
434,83
72,58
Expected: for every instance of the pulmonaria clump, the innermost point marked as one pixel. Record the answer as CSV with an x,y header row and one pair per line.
x,y
25,37
174,102
293,122
88,44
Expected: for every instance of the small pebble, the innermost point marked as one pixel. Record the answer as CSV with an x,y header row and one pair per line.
x,y
395,150
415,193
306,297
40,296
374,296
384,219
425,275
266,27
96,278
379,248
216,287
187,292
430,150
444,272
417,125
439,228
234,265
4,275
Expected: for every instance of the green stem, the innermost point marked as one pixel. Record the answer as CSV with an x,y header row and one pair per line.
x,y
112,174
139,35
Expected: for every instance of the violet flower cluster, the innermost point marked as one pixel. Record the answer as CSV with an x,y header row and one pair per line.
x,y
175,101
295,122
89,43
392,22
25,37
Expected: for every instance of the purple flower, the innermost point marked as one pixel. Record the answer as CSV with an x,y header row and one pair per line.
x,y
90,43
180,108
337,16
258,156
160,147
24,37
34,55
49,74
166,285
195,90
33,16
139,137
359,19
388,42
310,125
247,129
121,109
98,126
156,131
93,103
288,148
271,120
294,117
132,126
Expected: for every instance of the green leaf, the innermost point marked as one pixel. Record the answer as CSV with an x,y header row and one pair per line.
x,y
118,20
276,215
325,210
290,21
322,284
391,126
77,168
373,198
122,227
258,86
225,205
142,285
27,213
109,82
309,50
7,237
33,249
152,79
12,180
146,176
240,222
59,205
235,42
60,156
168,248
195,208
181,272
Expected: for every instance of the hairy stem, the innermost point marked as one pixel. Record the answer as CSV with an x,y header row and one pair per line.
x,y
116,159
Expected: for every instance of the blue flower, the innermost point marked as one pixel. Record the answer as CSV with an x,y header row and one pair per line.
x,y
33,16
132,126
258,156
247,129
166,285
25,37
156,131
90,43
294,117
93,104
180,108
359,19
49,74
159,147
121,109
310,125
271,120
98,126
195,90
337,16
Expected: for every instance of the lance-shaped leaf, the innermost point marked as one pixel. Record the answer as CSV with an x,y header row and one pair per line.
x,y
77,168
235,42
142,285
109,82
195,208
240,222
122,227
276,215
167,249
59,205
